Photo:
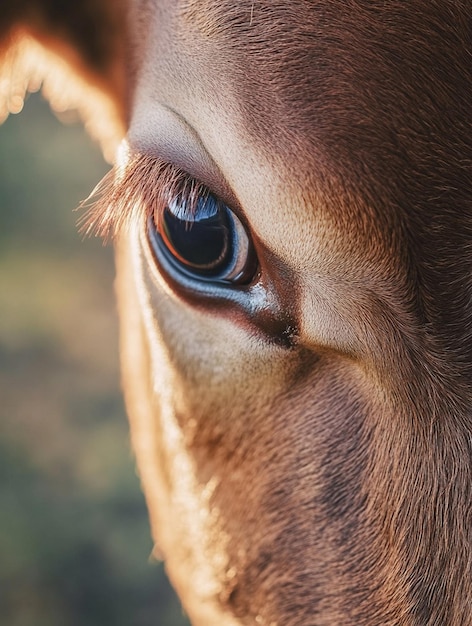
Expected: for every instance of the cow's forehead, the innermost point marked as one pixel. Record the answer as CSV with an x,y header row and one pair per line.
x,y
353,84
257,84
336,95
360,98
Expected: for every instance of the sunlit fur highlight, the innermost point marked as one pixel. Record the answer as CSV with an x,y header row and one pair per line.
x,y
61,51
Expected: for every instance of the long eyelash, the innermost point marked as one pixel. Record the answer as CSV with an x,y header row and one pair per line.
x,y
140,190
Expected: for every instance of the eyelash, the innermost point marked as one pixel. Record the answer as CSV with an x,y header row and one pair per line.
x,y
135,194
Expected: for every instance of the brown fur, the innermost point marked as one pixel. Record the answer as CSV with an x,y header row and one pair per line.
x,y
306,453
75,52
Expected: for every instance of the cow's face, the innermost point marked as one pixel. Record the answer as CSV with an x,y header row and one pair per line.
x,y
298,385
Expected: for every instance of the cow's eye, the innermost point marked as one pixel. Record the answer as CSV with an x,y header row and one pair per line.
x,y
202,238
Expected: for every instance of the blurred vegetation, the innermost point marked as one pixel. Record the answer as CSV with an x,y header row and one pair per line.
x,y
74,534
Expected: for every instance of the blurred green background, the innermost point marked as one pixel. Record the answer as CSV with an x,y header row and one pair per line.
x,y
74,533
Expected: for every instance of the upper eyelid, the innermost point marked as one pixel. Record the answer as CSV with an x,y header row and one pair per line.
x,y
134,192
170,136
126,194
211,177
225,195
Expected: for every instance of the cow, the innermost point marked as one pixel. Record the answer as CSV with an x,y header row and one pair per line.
x,y
291,205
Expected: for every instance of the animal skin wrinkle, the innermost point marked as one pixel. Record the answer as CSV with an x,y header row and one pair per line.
x,y
159,131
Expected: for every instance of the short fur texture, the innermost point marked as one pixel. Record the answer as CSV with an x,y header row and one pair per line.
x,y
325,479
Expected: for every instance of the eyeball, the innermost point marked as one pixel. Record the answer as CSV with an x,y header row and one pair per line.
x,y
206,242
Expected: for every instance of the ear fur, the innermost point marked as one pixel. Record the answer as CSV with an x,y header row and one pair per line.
x,y
73,51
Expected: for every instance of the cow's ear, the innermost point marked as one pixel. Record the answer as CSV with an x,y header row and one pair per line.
x,y
74,52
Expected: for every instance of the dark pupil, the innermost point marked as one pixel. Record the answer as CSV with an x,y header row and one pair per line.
x,y
203,242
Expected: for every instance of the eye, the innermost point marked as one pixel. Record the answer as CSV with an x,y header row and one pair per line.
x,y
202,237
